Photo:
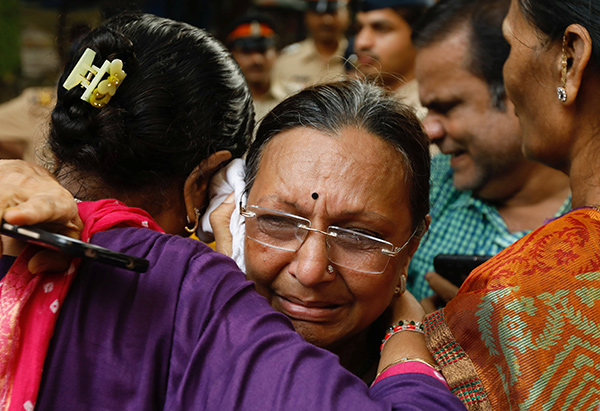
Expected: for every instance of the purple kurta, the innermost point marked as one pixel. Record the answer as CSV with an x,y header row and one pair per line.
x,y
193,334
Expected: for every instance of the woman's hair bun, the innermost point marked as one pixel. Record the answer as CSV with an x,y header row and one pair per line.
x,y
183,99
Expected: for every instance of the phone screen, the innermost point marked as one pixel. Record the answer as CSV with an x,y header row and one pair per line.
x,y
456,267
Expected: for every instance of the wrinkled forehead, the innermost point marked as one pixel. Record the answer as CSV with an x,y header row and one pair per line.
x,y
350,175
314,145
351,159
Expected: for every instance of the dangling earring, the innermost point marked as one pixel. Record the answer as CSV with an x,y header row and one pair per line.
x,y
402,287
195,227
561,92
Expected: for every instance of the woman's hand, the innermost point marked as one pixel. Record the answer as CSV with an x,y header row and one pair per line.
x,y
219,220
405,343
406,307
29,195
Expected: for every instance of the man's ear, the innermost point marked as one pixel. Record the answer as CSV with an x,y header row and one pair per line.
x,y
195,187
578,50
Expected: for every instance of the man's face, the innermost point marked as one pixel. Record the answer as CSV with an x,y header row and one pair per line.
x,y
484,141
383,45
329,26
256,64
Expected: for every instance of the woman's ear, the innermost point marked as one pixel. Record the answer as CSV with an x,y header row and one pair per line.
x,y
416,241
412,246
578,49
195,188
401,286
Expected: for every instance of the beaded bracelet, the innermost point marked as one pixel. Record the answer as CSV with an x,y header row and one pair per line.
x,y
402,326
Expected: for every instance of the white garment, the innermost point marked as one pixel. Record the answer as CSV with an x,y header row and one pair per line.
x,y
225,181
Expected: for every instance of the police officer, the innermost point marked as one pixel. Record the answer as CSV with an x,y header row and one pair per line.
x,y
319,57
384,48
252,41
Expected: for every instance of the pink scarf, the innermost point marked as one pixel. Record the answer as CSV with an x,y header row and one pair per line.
x,y
30,304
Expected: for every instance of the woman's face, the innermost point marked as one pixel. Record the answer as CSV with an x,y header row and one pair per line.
x,y
531,76
354,181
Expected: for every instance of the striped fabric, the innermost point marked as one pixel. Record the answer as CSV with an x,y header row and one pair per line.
x,y
523,332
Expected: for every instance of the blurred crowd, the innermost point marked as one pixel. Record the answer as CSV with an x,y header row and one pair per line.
x,y
420,138
343,39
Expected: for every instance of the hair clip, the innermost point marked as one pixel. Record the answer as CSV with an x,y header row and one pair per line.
x,y
88,76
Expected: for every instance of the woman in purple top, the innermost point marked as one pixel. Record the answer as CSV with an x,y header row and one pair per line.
x,y
192,333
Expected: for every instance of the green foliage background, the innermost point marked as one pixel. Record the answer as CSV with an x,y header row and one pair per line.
x,y
10,26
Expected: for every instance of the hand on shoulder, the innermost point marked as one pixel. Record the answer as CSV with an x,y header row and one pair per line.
x,y
29,194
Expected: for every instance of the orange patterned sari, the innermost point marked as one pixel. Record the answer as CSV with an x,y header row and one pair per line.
x,y
524,331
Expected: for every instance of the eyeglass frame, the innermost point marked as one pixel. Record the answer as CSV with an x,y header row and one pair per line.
x,y
244,212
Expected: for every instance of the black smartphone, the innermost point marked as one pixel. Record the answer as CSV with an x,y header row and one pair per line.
x,y
456,267
74,247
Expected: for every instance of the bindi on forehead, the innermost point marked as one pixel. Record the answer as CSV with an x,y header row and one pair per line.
x,y
315,196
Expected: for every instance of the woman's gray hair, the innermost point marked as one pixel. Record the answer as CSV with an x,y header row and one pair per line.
x,y
329,108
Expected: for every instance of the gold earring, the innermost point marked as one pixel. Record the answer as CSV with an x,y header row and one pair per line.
x,y
561,92
195,227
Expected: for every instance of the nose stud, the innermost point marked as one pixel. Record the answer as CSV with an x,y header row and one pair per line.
x,y
330,269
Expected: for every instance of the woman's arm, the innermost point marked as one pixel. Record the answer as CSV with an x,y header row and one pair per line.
x,y
406,343
250,358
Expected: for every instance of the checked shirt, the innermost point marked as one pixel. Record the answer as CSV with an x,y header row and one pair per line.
x,y
460,224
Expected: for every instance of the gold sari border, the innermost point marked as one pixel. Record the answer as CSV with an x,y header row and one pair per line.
x,y
455,364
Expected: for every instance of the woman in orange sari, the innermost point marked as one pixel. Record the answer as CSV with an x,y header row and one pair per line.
x,y
524,330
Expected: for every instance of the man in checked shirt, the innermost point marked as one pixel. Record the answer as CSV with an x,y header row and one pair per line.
x,y
484,193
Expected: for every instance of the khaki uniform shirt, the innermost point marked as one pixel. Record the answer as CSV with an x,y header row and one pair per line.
x,y
409,95
300,65
266,102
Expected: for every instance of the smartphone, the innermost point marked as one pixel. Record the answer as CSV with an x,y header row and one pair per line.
x,y
74,247
456,267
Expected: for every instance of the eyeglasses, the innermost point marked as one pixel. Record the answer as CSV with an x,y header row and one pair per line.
x,y
345,248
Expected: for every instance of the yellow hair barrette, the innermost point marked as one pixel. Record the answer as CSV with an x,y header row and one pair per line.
x,y
98,92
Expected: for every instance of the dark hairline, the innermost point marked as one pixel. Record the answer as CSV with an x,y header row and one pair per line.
x,y
428,34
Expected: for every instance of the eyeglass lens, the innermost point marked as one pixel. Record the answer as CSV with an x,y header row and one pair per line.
x,y
346,248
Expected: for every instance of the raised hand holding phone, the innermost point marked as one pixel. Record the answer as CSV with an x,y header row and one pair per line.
x,y
456,267
450,272
31,195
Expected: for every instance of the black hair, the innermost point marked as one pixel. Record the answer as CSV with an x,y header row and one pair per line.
x,y
184,98
488,48
553,16
411,14
329,108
